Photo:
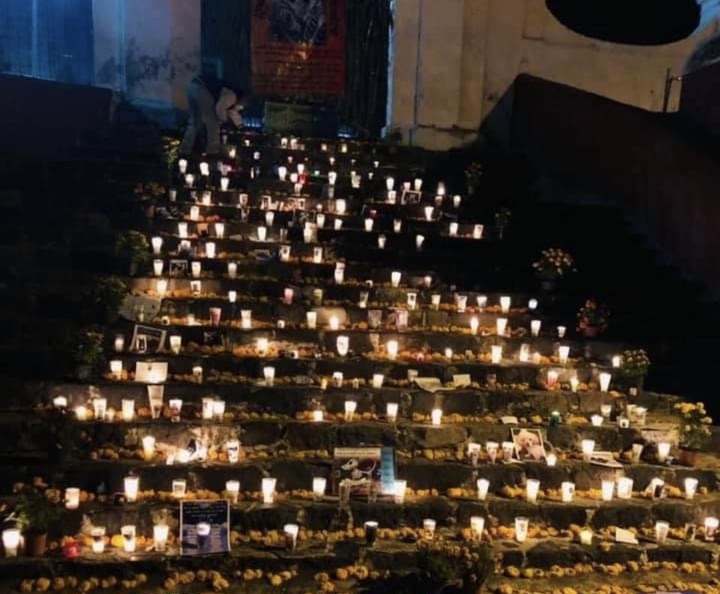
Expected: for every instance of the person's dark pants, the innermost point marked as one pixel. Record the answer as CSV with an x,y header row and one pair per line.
x,y
203,131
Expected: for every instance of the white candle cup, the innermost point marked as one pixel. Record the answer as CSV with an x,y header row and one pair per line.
x,y
224,183
521,528
197,372
453,229
350,408
551,459
311,319
456,201
419,241
179,488
460,303
60,402
381,239
160,537
663,450
269,218
586,536
72,498
337,224
81,413
194,213
246,319
337,379
535,327
435,301
218,409
482,486
156,394
268,490
369,224
429,528
596,420
158,266
161,286
508,449
436,416
395,278
491,447
606,410
391,411
574,383
604,378
291,534
377,380
524,353
616,361
282,173
269,375
116,368
97,533
148,443
175,405
391,346
448,352
587,447
399,490
429,211
505,304
342,344
691,485
397,225
532,486
339,276
182,166
474,325
318,416
340,206
128,534
128,409
131,484
288,294
204,168
496,354
261,345
196,269
317,255
319,485
661,532
99,408
157,243
711,527
624,488
567,491
175,343
232,269
332,177
563,354
183,230
232,448
389,183
11,542
261,233
477,526
210,249
478,231
501,326
441,189
607,489
561,330
232,488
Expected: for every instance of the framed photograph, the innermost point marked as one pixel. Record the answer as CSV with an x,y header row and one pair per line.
x,y
178,268
410,197
147,339
204,527
529,443
357,472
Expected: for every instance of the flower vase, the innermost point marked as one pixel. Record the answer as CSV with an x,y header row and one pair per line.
x,y
687,457
36,544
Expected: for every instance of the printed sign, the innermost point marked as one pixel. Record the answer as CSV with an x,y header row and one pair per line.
x,y
358,472
204,527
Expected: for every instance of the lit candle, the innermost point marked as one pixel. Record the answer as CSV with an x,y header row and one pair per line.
x,y
218,409
461,302
496,353
98,539
268,490
196,269
477,526
453,229
607,488
179,487
436,416
574,383
158,267
532,304
204,168
339,275
596,420
532,486
399,489
148,443
381,239
161,285
60,402
552,378
535,327
175,343
232,447
261,233
72,498
391,346
232,488
711,527
116,367
491,447
340,206
157,243
567,491
232,269
397,225
269,374
210,249
395,278
508,448
588,447
429,528
389,183
474,325
194,213
448,353
563,353
270,218
391,411
369,224
81,413
11,541
616,361
342,343
586,536
456,201
317,255
624,487
128,534
183,230
337,224
524,354
505,304
377,380
501,326
604,378
661,531
319,485
224,183
160,536
318,415
691,485
291,533
282,173
521,529
131,484
561,331
350,408
261,345
482,488
99,408
246,319
429,213
419,240
478,231
182,165
663,449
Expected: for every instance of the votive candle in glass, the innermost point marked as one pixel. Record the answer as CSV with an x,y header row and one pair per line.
x,y
132,484
521,528
268,490
72,498
482,488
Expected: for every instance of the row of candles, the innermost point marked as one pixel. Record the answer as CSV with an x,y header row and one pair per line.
x,y
12,538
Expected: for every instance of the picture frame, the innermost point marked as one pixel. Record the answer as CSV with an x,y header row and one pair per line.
x,y
178,268
410,197
204,527
529,443
147,339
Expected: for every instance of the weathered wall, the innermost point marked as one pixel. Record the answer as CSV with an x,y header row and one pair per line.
x,y
472,50
150,50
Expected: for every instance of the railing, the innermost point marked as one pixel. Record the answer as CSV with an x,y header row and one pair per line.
x,y
639,160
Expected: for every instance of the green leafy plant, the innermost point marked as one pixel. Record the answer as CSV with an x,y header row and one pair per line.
x,y
88,349
36,513
592,316
442,564
104,299
554,264
473,173
171,150
132,250
695,432
635,362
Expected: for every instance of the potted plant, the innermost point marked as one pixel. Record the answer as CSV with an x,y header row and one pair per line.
x,y
694,429
132,251
88,353
36,514
553,265
104,298
634,367
592,319
448,567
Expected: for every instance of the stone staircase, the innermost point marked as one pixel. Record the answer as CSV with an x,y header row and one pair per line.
x,y
286,338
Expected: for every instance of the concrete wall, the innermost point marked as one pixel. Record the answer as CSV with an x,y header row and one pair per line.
x,y
472,50
147,49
